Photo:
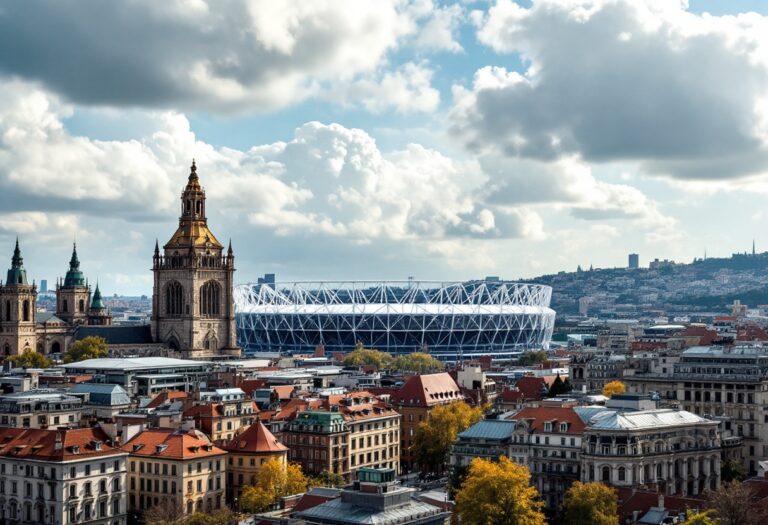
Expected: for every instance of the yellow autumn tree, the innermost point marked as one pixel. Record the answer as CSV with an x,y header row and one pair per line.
x,y
498,493
417,362
614,387
436,434
701,518
591,504
274,481
361,356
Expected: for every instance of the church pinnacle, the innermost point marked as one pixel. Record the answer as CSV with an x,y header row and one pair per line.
x,y
74,276
16,274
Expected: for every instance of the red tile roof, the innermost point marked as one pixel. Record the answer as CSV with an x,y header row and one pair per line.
x,y
250,385
428,390
537,416
531,387
358,405
284,391
641,501
163,397
255,439
38,444
172,444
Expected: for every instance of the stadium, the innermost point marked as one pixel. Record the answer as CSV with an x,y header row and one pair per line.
x,y
449,320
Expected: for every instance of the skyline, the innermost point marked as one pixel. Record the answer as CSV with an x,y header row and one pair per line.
x,y
381,140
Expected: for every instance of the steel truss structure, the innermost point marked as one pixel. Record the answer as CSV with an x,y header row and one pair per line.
x,y
450,320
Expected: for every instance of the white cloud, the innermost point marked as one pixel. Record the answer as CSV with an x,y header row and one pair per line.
x,y
241,55
622,80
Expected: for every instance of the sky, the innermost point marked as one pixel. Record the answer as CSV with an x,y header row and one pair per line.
x,y
383,139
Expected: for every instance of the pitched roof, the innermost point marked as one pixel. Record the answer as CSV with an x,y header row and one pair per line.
x,y
103,394
255,439
537,416
38,444
428,390
117,335
531,387
657,418
172,444
164,397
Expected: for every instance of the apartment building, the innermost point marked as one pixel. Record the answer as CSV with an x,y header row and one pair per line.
x,y
247,453
414,401
61,477
175,467
221,413
318,440
729,383
42,408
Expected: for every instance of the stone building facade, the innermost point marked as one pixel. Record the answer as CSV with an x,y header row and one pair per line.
x,y
193,309
18,329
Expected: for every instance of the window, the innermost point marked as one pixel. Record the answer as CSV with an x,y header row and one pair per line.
x,y
174,298
210,293
25,311
81,306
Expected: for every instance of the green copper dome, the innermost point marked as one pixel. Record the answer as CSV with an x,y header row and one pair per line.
x,y
97,303
74,276
17,274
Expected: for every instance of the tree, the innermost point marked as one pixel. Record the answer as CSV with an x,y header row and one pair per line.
x,y
328,479
732,470
532,358
613,388
737,504
498,493
219,517
436,434
417,362
591,504
167,512
274,481
361,356
91,347
701,518
29,360
559,387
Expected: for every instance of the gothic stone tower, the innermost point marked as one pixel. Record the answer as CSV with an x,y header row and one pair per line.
x,y
73,296
17,309
193,309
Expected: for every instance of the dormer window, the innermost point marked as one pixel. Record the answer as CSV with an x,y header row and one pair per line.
x,y
97,445
563,427
548,426
75,449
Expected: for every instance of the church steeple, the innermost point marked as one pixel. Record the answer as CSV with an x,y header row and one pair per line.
x,y
16,274
97,303
74,276
193,229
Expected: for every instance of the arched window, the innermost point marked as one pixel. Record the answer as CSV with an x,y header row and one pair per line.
x,y
622,474
209,298
7,349
174,299
7,310
55,347
25,311
64,305
81,306
606,474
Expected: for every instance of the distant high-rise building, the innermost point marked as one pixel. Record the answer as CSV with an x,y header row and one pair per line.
x,y
634,261
43,285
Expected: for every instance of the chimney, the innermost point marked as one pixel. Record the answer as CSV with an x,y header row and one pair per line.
x,y
58,444
319,351
661,500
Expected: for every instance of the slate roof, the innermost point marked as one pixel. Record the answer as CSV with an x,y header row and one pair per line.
x,y
618,420
118,335
103,394
495,429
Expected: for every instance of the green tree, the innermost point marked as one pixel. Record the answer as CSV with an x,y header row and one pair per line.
x,y
274,481
327,479
590,504
559,387
498,493
614,387
532,358
219,517
732,470
365,356
29,360
436,434
417,362
90,347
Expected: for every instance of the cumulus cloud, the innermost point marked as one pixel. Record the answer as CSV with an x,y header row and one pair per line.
x,y
614,80
197,54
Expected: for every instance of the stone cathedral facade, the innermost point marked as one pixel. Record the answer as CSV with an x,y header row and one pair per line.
x,y
193,308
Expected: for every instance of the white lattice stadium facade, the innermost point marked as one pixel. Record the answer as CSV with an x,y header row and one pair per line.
x,y
450,320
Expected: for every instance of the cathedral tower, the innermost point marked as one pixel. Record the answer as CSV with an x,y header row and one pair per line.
x,y
73,296
193,308
98,314
17,309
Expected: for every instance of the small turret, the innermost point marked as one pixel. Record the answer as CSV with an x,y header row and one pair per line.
x,y
74,276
